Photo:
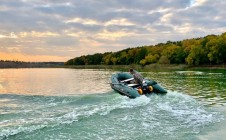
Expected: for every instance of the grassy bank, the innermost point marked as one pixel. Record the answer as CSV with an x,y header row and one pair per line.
x,y
151,67
155,67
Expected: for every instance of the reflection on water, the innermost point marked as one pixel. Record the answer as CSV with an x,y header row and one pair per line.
x,y
53,81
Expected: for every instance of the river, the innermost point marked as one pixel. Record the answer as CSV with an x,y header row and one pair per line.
x,y
58,103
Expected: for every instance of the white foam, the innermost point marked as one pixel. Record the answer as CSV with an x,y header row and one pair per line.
x,y
190,72
124,102
130,103
187,110
15,130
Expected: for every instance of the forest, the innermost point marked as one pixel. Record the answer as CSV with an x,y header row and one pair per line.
x,y
208,50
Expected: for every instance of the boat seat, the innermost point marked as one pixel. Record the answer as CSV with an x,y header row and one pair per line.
x,y
131,85
127,80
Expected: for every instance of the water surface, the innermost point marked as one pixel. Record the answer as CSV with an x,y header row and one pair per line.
x,y
79,104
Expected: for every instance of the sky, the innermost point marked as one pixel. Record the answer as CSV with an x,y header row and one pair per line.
x,y
58,30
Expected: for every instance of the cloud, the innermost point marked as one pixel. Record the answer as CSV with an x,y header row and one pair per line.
x,y
83,21
69,28
10,35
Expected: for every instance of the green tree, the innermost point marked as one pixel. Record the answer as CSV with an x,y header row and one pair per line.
x,y
174,53
114,60
107,59
140,54
149,59
164,60
195,55
122,58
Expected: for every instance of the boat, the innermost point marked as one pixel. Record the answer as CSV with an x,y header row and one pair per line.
x,y
124,84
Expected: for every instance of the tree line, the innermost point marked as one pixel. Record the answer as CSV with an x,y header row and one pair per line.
x,y
21,64
197,51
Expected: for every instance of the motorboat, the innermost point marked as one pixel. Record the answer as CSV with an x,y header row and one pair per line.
x,y
124,84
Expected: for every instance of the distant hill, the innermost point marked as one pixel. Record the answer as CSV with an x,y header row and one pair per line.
x,y
20,64
208,50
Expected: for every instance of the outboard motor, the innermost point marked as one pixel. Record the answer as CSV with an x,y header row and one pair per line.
x,y
147,89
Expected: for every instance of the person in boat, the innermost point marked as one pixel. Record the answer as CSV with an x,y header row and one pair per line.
x,y
137,76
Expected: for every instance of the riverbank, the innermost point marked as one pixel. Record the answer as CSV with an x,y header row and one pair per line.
x,y
156,67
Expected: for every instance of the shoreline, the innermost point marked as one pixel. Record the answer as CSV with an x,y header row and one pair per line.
x,y
155,67
124,67
19,64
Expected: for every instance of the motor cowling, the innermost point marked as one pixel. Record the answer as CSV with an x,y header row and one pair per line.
x,y
140,91
150,88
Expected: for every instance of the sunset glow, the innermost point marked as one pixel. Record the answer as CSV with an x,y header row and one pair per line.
x,y
41,30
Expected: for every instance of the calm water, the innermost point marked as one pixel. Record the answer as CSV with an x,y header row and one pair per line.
x,y
45,104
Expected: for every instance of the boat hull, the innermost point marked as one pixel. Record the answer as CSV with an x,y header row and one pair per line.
x,y
121,83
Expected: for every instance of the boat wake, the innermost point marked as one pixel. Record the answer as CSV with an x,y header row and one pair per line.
x,y
109,114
